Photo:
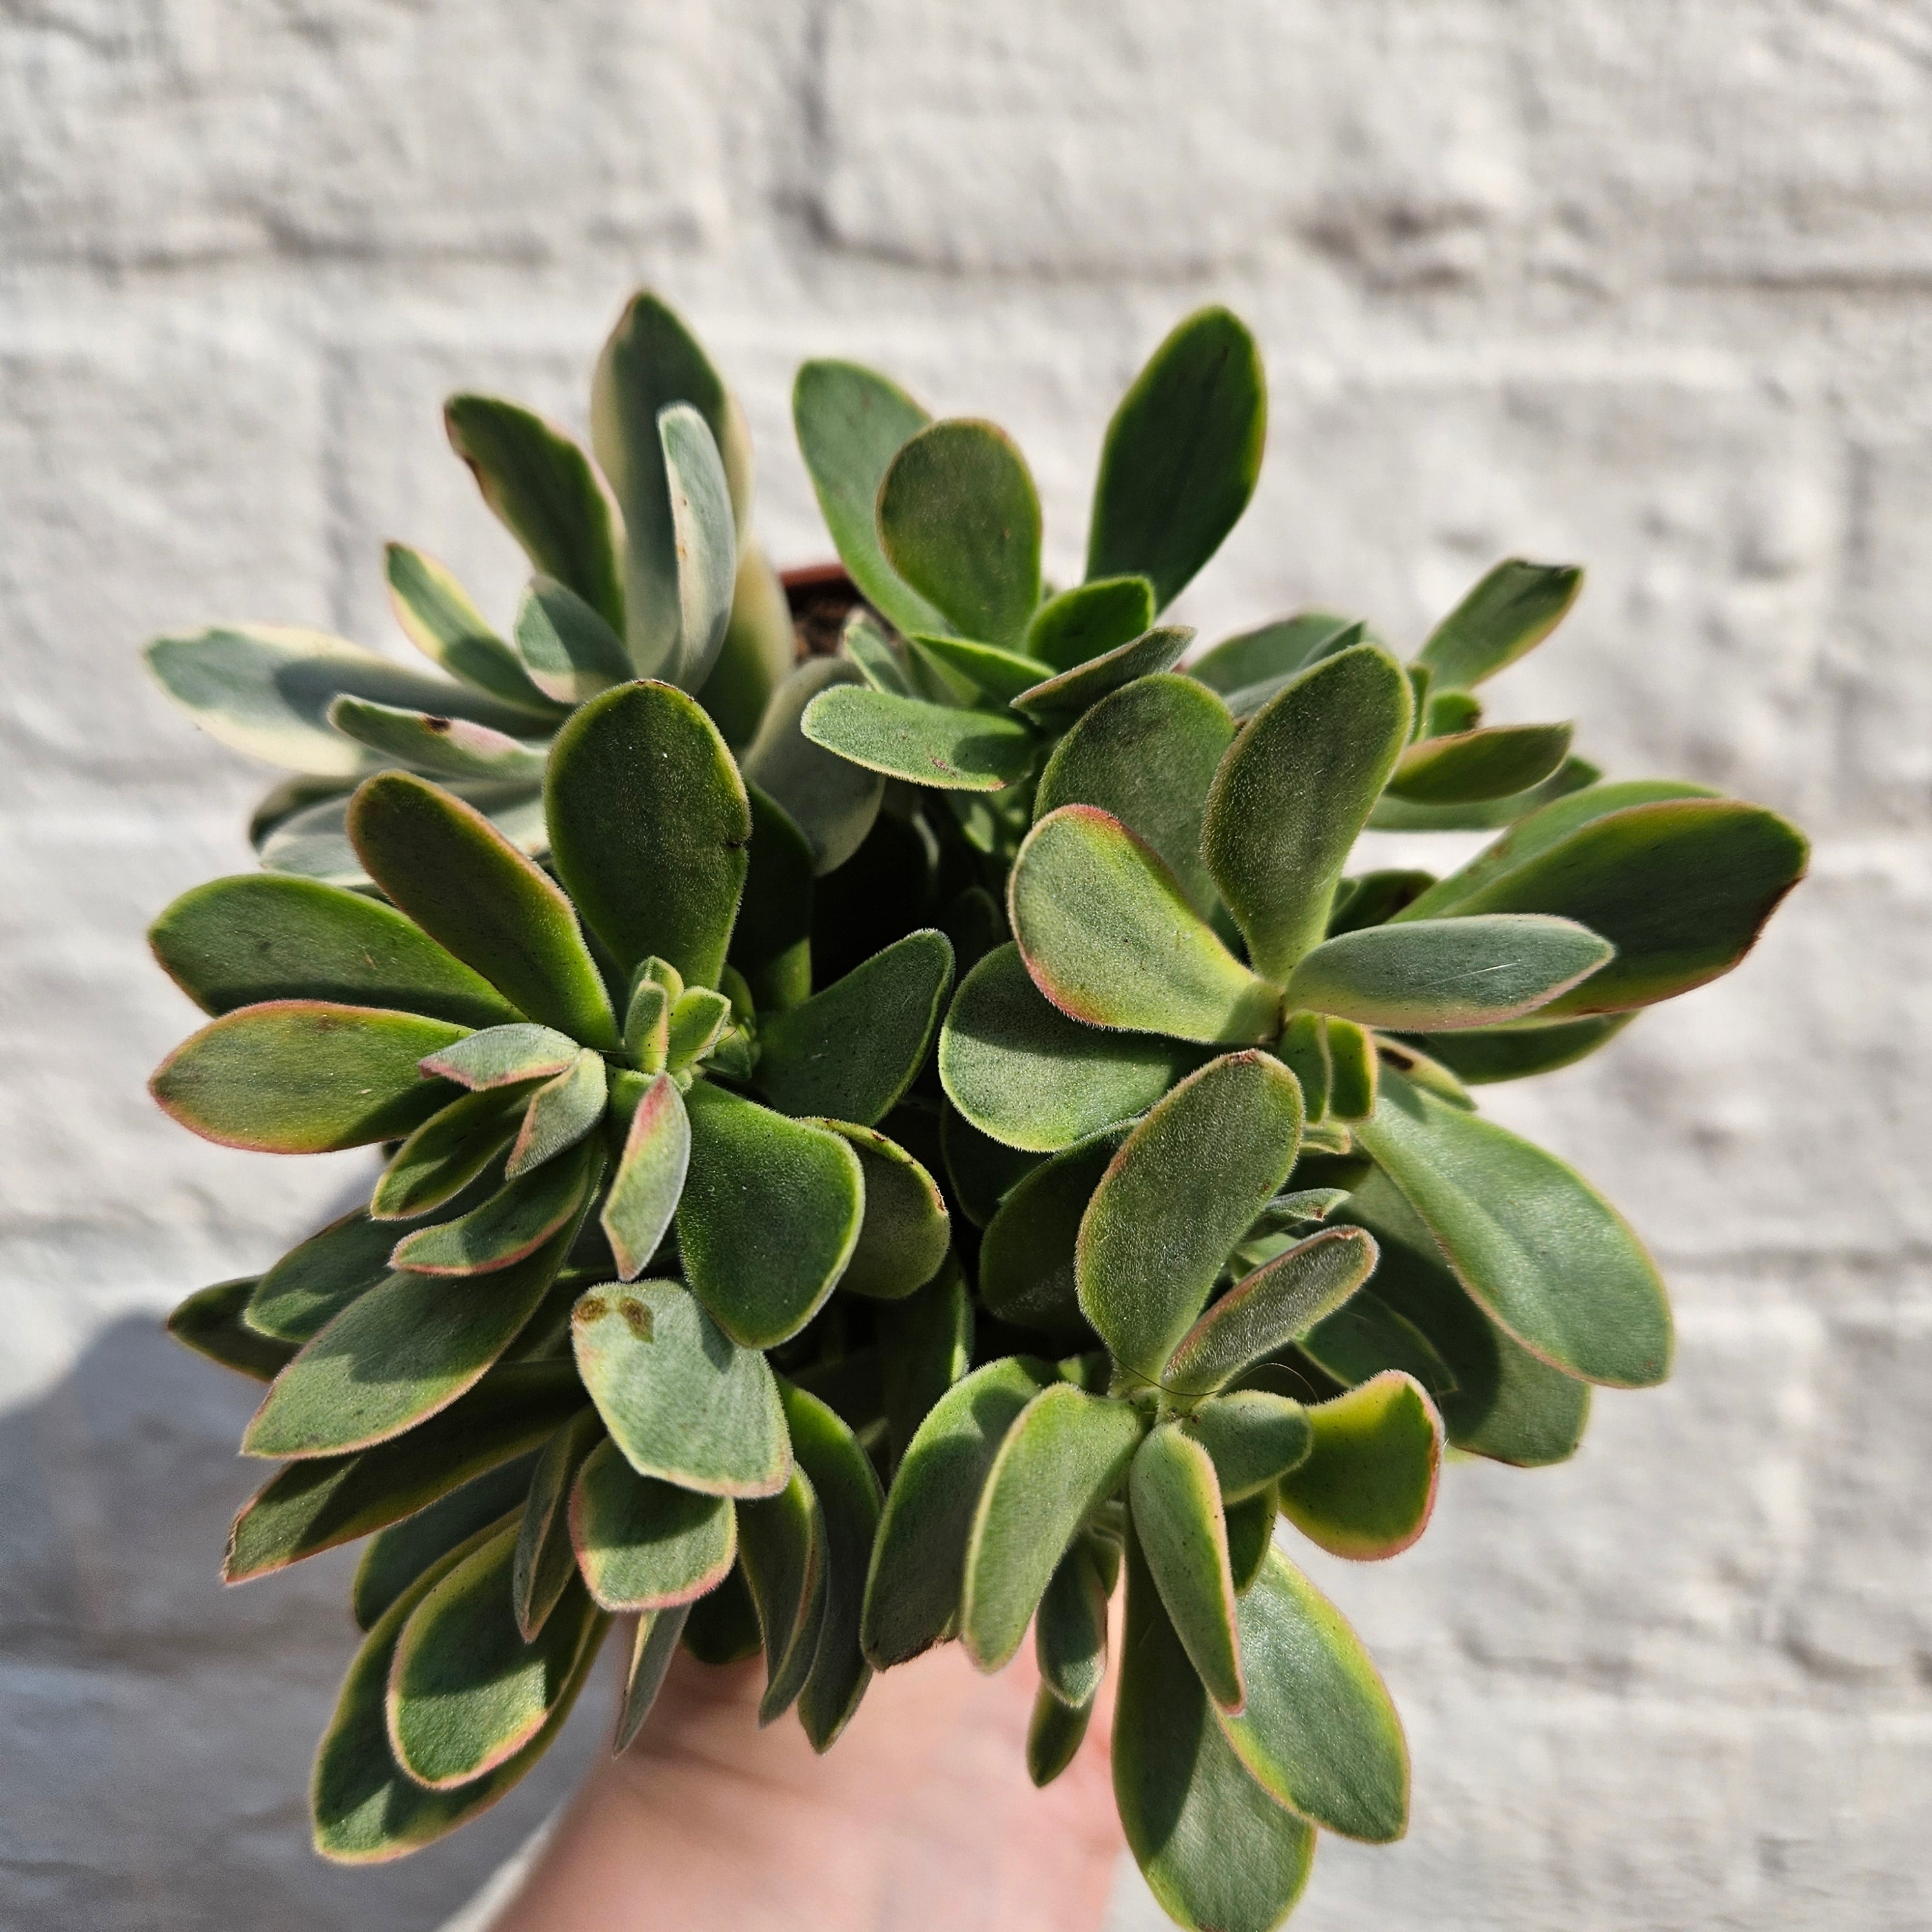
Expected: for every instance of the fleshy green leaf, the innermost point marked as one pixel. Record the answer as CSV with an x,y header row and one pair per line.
x,y
771,944
1055,1732
560,1113
396,1355
366,1809
1429,975
1303,1049
643,1544
770,1215
318,1278
958,520
924,744
1270,1308
651,361
983,1171
1250,1536
757,650
705,538
1502,1401
1681,888
466,1692
1253,1436
1148,755
649,1178
653,1644
395,1558
851,424
866,641
1020,1071
784,1542
1248,668
697,1019
546,1558
1294,791
445,1154
833,802
1070,1628
304,1076
1354,1070
1398,814
211,1322
1058,700
1183,1189
1218,1852
1320,1734
1468,767
1109,937
266,690
543,489
1183,1537
436,612
1541,1251
312,1506
1481,1055
1090,619
512,1224
1509,612
571,651
1181,455
723,1627
1367,1486
907,1230
982,674
1026,1260
918,1561
472,892
850,1052
649,822
849,1498
450,747
682,1402
925,1345
1064,1455
503,1056
238,942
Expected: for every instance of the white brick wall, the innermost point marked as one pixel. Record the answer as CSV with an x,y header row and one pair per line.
x,y
1646,285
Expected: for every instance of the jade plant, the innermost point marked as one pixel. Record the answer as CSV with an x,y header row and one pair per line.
x,y
732,1271
644,566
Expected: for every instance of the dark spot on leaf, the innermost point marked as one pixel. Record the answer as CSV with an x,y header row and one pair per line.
x,y
590,1309
637,1315
437,724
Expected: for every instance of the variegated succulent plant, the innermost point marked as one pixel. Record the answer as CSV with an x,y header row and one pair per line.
x,y
645,567
732,1270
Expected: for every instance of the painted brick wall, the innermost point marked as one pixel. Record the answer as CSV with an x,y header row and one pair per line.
x,y
1645,285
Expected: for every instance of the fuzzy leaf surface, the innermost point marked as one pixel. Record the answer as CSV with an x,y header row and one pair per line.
x,y
1055,1732
771,944
958,520
643,1544
304,1076
1217,1850
210,1321
1253,1436
1470,767
1181,455
318,1277
1027,1260
784,1551
832,800
1367,1486
542,488
645,1190
560,1113
437,616
1539,1249
503,1056
984,673
1089,620
925,1345
906,1229
1147,755
1320,1734
393,1558
1057,701
649,824
1185,1186
704,538
572,653
1183,1537
511,1225
450,747
238,942
1509,612
472,891
1065,1454
1070,1628
1109,937
925,744
1266,657
445,1154
1022,1073
1481,1056
850,1052
653,1645
682,1401
918,1561
545,1564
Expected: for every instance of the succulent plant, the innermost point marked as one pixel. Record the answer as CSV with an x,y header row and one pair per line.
x,y
731,1269
645,567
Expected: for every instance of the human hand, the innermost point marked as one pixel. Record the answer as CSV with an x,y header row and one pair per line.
x,y
921,1817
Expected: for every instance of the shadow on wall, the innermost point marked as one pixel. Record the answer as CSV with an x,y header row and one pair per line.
x,y
156,1727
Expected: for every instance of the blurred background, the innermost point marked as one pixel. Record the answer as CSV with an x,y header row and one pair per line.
x,y
1647,286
